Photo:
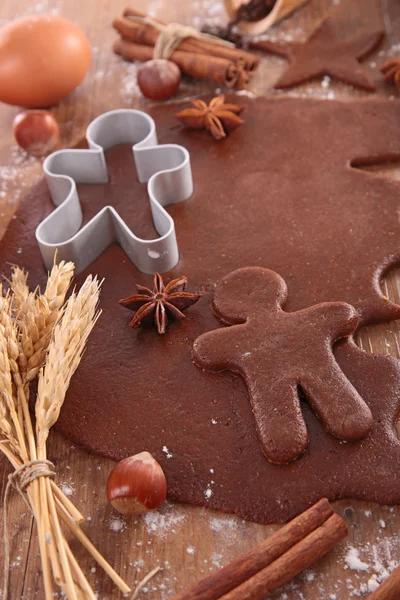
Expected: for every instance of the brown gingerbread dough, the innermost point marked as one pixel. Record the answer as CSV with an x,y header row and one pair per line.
x,y
324,54
280,354
279,193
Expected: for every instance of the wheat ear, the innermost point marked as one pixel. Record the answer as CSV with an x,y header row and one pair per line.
x,y
64,354
37,314
8,367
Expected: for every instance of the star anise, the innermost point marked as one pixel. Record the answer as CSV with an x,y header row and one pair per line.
x,y
218,118
161,303
391,71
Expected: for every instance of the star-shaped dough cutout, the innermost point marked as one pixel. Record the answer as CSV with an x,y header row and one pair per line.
x,y
324,54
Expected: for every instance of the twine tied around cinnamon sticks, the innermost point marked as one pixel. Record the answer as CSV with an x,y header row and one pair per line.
x,y
196,54
20,479
172,35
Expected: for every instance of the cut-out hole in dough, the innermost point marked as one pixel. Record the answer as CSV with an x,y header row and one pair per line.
x,y
389,168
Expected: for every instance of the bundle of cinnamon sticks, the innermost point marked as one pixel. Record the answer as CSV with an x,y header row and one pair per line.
x,y
276,560
196,56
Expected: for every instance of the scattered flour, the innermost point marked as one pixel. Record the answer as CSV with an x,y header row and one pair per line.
x,y
117,524
163,520
207,13
380,563
216,560
67,489
13,175
221,524
166,452
208,493
129,87
373,583
353,561
370,565
394,50
16,562
326,82
190,550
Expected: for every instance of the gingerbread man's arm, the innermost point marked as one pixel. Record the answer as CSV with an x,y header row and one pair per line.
x,y
333,319
217,350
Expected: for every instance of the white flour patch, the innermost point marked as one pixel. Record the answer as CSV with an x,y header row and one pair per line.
x,y
216,560
129,86
117,524
67,489
167,453
353,561
223,524
208,493
164,520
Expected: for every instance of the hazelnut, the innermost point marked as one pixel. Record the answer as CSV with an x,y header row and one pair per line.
x,y
158,79
136,485
36,131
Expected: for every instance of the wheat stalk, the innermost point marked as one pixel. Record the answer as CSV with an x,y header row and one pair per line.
x,y
65,350
37,314
6,429
41,334
8,366
64,354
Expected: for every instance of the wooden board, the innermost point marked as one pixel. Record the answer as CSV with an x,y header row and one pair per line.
x,y
187,542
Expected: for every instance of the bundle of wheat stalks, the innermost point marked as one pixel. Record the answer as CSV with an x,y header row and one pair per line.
x,y
43,336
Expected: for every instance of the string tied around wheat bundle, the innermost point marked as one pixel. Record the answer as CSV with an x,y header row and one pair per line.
x,y
20,479
172,34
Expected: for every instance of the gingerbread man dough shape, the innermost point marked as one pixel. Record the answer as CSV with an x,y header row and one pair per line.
x,y
280,354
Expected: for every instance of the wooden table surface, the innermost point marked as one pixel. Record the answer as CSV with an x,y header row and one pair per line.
x,y
187,542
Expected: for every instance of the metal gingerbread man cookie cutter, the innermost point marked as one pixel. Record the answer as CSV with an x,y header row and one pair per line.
x,y
165,168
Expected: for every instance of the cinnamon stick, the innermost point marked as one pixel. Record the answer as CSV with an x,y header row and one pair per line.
x,y
200,66
388,589
259,557
145,33
293,562
134,12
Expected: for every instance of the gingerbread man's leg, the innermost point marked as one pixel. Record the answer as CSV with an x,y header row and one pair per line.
x,y
341,409
279,420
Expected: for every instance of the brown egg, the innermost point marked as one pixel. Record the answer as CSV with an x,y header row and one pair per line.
x,y
42,59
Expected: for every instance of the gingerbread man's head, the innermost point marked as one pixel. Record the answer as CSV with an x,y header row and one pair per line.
x,y
246,292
